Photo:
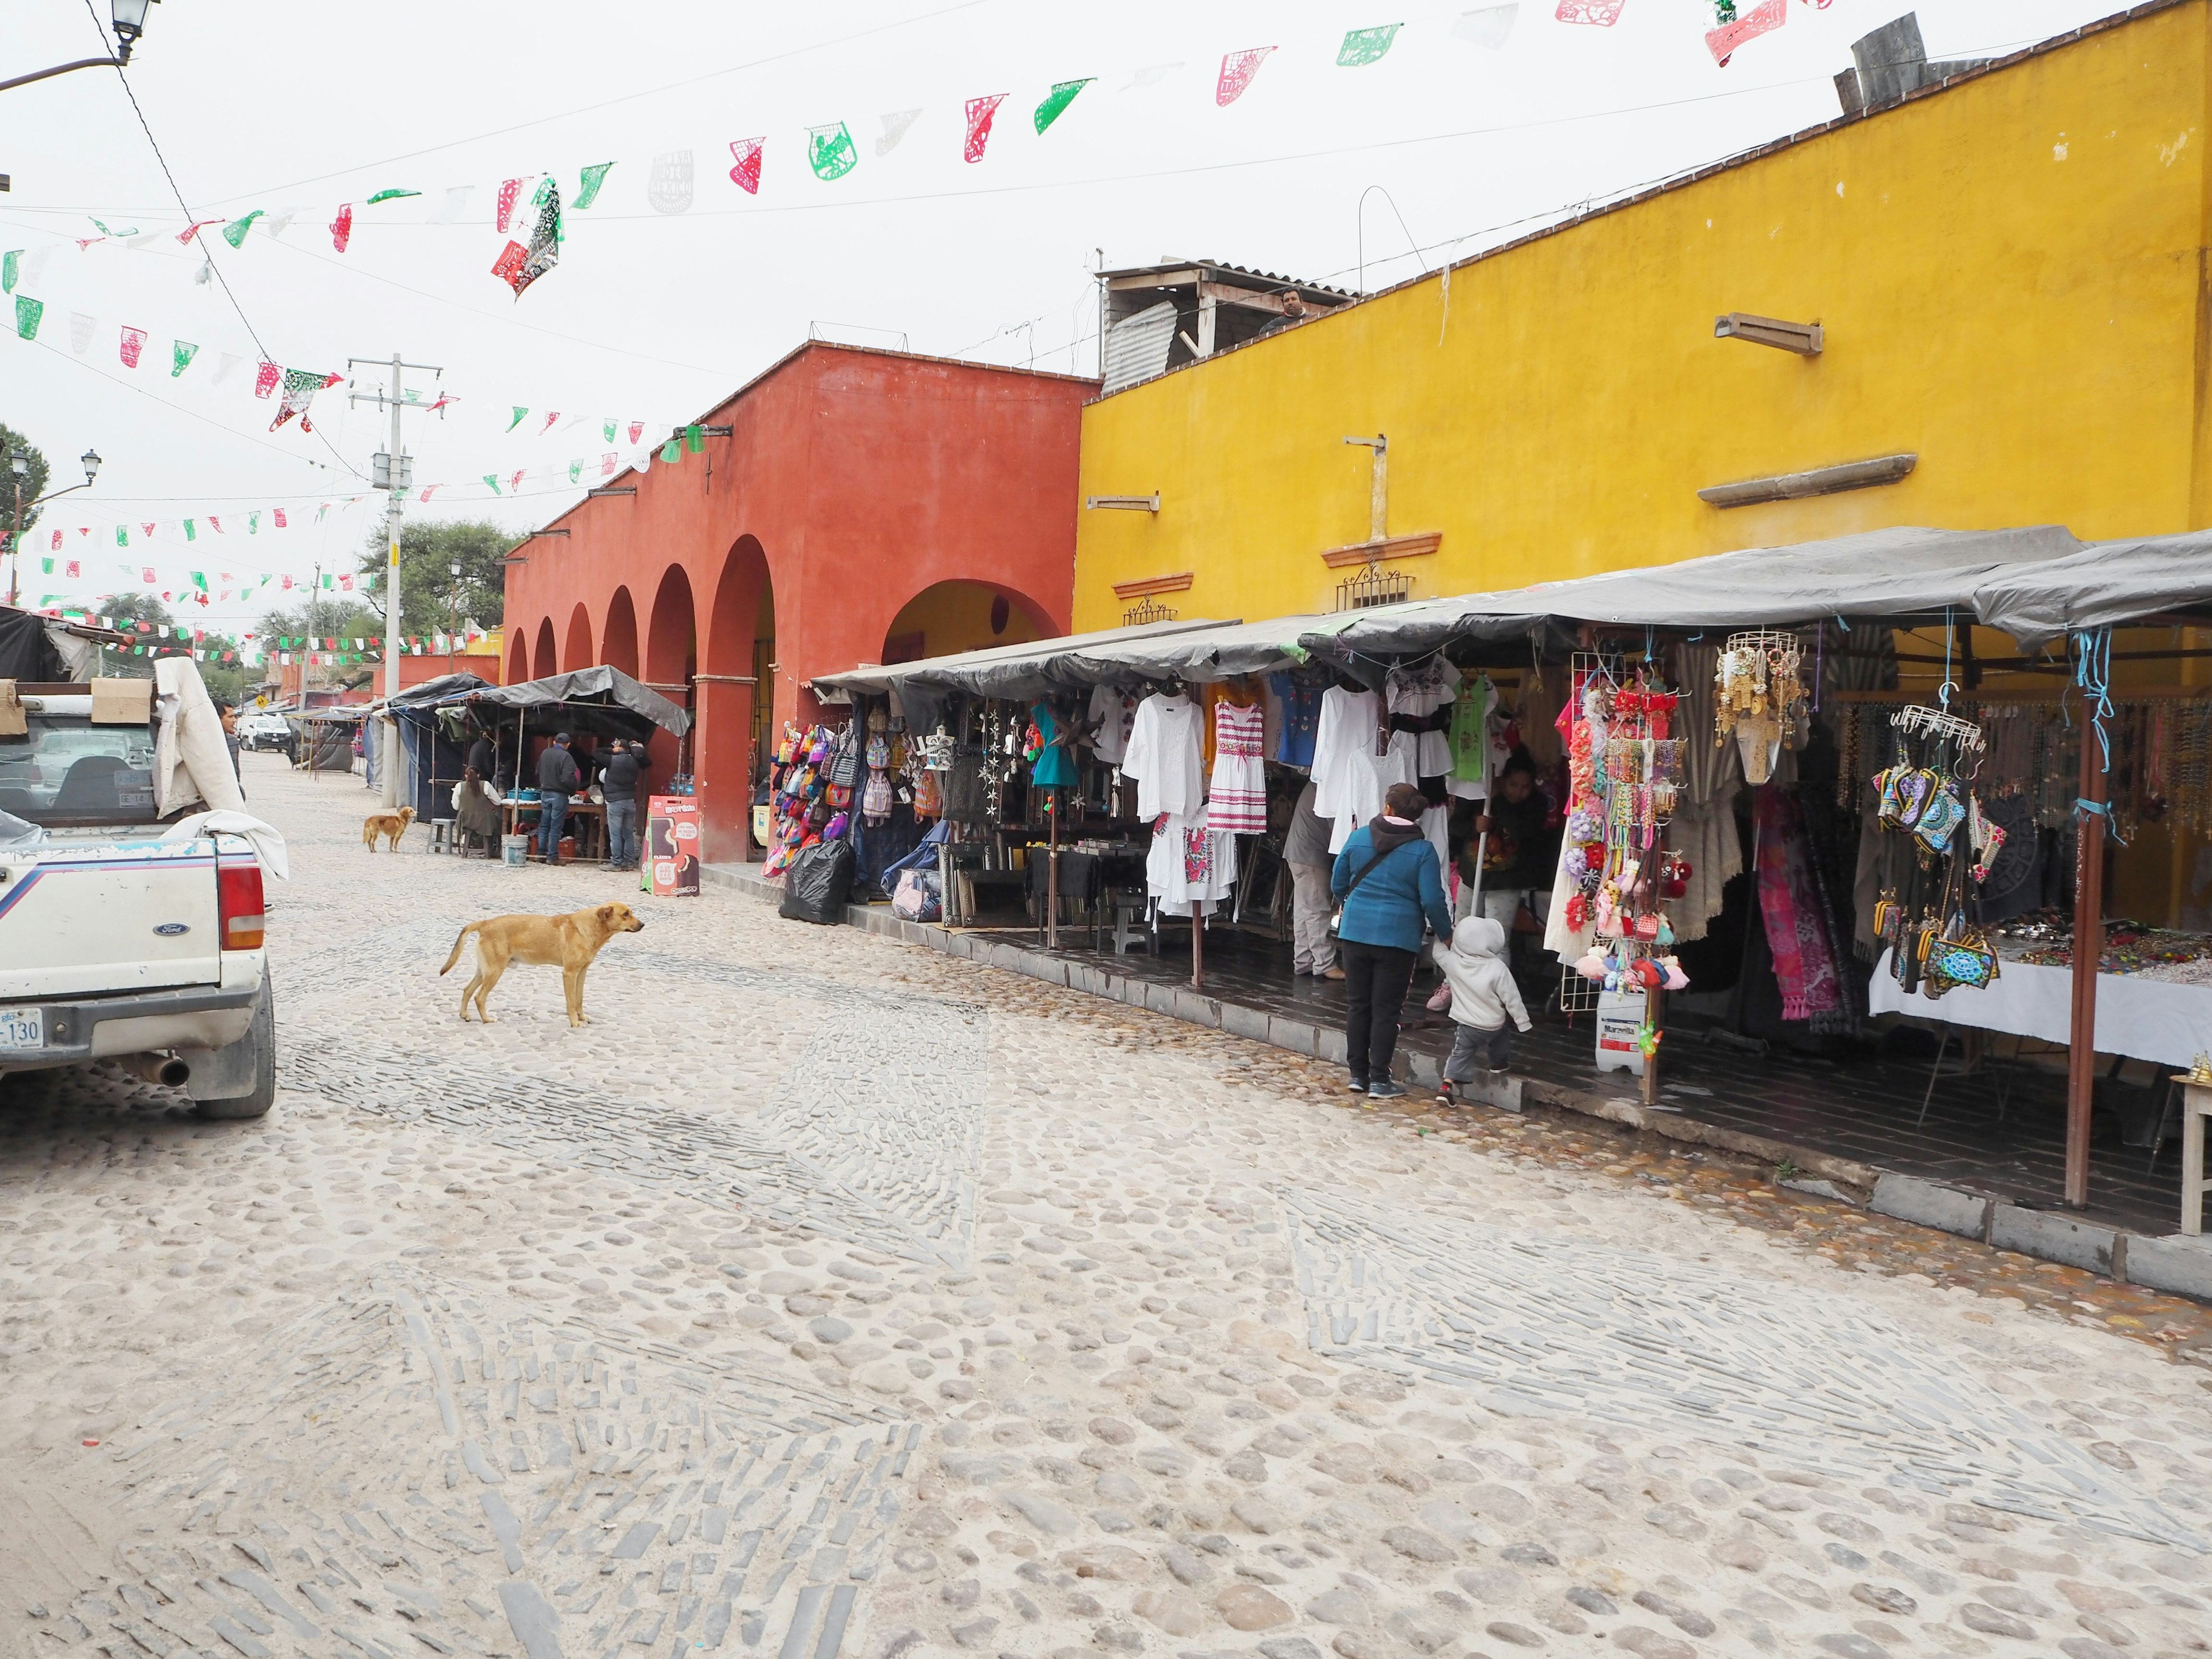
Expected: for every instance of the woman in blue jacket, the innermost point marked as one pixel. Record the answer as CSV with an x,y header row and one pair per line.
x,y
1389,883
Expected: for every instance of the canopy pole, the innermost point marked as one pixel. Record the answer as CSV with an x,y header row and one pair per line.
x,y
2089,953
1198,945
1052,869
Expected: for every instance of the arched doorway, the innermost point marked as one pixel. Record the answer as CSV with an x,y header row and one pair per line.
x,y
518,658
576,651
739,645
670,659
543,663
963,615
618,644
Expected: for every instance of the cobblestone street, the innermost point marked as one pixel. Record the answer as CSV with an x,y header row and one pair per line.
x,y
828,1297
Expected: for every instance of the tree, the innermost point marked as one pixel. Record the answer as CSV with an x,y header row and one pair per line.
x,y
33,486
124,612
431,599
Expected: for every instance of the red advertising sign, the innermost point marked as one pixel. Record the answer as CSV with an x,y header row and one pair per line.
x,y
671,846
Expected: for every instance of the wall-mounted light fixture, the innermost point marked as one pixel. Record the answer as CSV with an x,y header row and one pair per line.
x,y
1125,503
1803,338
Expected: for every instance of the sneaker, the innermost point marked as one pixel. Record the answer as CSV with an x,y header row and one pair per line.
x,y
1330,972
1388,1088
1447,1095
1357,1085
1441,1001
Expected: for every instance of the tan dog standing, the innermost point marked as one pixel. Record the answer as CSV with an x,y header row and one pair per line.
x,y
569,942
389,824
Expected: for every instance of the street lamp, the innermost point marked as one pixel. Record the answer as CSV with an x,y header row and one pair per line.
x,y
19,464
129,19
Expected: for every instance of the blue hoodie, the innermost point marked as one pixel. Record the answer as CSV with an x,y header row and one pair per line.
x,y
1389,906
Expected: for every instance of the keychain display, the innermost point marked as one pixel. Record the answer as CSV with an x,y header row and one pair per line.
x,y
1624,763
1760,698
1927,793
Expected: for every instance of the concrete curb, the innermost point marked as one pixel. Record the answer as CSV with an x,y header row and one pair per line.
x,y
2175,1265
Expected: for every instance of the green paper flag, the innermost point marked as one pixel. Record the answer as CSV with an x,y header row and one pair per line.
x,y
587,189
672,452
253,525
575,471
386,196
46,566
1057,100
492,478
1365,47
607,430
234,232
830,151
199,579
520,411
181,353
192,530
8,264
122,537
694,439
28,313
330,581
543,194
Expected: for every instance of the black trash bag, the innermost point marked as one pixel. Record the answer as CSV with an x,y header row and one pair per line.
x,y
818,883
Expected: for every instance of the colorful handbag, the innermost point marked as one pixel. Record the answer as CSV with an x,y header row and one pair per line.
x,y
1939,819
1887,914
1958,955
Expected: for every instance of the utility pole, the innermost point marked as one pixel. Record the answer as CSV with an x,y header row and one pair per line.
x,y
394,474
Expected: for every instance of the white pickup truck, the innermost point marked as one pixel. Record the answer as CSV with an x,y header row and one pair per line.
x,y
116,944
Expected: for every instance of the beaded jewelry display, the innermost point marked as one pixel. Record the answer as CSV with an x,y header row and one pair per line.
x,y
1761,696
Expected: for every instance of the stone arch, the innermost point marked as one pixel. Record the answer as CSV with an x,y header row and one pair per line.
x,y
618,643
725,750
542,663
576,651
964,614
670,659
517,656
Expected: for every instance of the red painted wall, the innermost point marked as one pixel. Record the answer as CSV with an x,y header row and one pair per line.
x,y
852,480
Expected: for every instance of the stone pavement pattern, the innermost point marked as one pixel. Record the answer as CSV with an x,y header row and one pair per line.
x,y
827,1297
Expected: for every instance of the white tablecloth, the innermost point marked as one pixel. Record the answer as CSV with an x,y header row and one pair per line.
x,y
2143,1018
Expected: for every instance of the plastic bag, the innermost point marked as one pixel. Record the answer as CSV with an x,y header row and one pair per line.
x,y
818,883
916,898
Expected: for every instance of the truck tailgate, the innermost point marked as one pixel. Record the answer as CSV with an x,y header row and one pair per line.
x,y
108,916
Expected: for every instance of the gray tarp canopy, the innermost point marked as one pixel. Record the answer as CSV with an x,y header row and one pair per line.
x,y
603,686
429,691
1880,575
1220,651
999,671
2105,585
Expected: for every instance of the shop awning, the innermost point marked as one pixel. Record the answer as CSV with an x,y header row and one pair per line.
x,y
998,671
2105,585
1893,576
601,685
1217,651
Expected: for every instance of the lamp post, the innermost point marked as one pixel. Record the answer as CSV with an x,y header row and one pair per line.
x,y
453,612
19,468
129,17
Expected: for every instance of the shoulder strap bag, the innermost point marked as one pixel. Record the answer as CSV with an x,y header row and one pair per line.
x,y
1336,917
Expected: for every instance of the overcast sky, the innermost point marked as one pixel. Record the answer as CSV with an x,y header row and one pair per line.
x,y
653,315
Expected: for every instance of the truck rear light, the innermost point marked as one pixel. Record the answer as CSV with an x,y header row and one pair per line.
x,y
238,903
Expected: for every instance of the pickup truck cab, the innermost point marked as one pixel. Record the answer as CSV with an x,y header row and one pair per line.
x,y
114,943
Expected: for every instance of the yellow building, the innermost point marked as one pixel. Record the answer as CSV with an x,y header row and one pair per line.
x,y
2008,273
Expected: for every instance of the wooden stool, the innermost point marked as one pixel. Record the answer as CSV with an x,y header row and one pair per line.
x,y
2196,1107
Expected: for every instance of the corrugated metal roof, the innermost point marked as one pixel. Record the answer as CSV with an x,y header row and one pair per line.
x,y
1299,282
1137,347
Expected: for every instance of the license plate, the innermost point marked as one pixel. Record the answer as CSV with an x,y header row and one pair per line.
x,y
23,1028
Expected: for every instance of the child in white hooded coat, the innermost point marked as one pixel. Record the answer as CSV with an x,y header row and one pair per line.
x,y
1484,997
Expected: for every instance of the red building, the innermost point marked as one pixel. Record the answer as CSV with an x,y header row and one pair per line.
x,y
854,506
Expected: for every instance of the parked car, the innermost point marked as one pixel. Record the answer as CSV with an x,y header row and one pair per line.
x,y
260,732
115,945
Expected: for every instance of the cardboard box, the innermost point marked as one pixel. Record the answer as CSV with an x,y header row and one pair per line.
x,y
13,722
121,703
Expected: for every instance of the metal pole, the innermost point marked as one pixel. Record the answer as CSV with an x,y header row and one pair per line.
x,y
392,601
15,544
1052,869
2088,951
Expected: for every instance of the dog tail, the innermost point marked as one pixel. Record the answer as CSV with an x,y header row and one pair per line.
x,y
459,938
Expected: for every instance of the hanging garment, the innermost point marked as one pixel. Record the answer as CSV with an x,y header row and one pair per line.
x,y
1113,711
1055,764
1346,788
1418,696
1301,703
1704,828
1189,863
1471,739
1237,804
1804,965
1163,757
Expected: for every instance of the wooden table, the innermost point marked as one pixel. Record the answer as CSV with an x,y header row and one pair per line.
x,y
2196,1107
590,815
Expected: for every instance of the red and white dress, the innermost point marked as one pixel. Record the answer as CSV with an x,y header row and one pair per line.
x,y
1238,802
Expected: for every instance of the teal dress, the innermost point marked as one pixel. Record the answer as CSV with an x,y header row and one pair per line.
x,y
1055,765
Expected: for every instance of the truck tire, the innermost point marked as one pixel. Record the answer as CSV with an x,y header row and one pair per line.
x,y
263,1032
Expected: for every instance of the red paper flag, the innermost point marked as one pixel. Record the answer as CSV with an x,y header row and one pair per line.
x,y
134,341
1604,14
266,378
287,582
193,229
607,465
342,228
57,546
1238,69
635,427
147,528
346,583
280,525
515,483
1749,26
216,522
430,490
507,191
548,427
148,573
746,174
980,111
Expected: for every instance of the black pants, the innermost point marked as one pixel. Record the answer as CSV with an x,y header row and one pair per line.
x,y
1375,981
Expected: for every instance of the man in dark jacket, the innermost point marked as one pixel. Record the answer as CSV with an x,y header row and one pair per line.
x,y
619,783
484,755
557,778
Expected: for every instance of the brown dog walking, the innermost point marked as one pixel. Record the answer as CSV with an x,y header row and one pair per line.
x,y
569,942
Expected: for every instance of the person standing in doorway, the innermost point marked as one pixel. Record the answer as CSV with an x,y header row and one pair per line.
x,y
619,784
557,779
1306,850
1390,885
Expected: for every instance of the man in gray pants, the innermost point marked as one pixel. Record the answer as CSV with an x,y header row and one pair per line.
x,y
1306,850
618,783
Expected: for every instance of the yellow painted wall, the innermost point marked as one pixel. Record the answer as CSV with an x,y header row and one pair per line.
x,y
2010,273
956,615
